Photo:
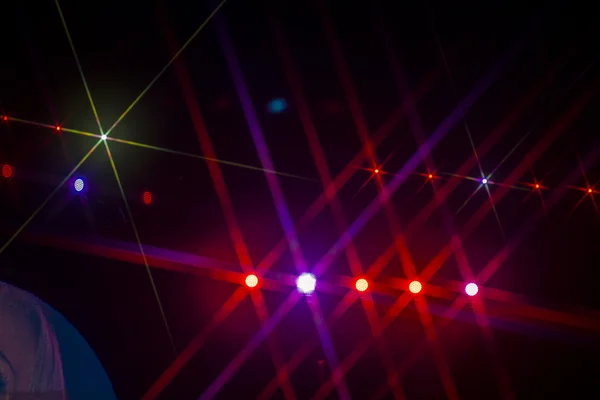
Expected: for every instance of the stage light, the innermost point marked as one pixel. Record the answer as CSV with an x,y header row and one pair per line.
x,y
7,171
415,287
103,137
471,289
147,198
277,106
362,285
306,283
78,185
251,281
484,181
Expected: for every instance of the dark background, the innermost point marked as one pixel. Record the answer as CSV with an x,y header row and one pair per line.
x,y
123,45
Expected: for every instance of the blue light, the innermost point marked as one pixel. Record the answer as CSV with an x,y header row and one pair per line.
x,y
78,185
277,105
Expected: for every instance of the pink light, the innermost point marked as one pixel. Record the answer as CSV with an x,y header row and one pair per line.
x,y
471,289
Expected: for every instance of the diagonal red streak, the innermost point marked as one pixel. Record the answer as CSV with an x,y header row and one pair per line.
x,y
326,179
235,231
375,269
317,207
440,259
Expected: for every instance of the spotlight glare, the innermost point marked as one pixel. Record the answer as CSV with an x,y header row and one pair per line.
x,y
415,287
537,185
78,185
362,285
590,190
484,181
376,171
147,198
471,289
103,137
7,171
430,176
58,128
251,280
306,283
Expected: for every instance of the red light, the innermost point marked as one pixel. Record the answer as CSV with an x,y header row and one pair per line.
x,y
415,287
58,129
4,118
430,176
376,171
147,198
251,281
590,190
7,171
362,285
537,185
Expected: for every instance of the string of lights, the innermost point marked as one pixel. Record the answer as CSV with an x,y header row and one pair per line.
x,y
307,282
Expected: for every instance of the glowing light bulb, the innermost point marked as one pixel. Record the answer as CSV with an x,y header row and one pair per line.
x,y
415,287
251,281
362,285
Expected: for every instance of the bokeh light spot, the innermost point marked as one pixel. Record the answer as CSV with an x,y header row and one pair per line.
x,y
415,287
277,105
306,283
471,289
78,185
251,281
147,198
362,285
7,171
484,181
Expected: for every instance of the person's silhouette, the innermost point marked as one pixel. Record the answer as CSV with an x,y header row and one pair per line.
x,y
42,355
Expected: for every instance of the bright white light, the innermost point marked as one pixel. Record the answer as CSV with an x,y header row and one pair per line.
x,y
103,137
306,283
471,289
484,181
79,185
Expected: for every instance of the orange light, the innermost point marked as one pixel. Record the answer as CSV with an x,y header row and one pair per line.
x,y
58,129
415,287
590,190
537,185
376,171
147,198
251,280
362,285
4,118
7,171
430,176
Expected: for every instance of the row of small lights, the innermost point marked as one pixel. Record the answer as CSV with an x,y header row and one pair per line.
x,y
306,283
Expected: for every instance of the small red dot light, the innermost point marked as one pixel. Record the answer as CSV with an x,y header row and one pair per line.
x,y
4,118
537,185
376,171
147,198
7,171
58,129
430,176
590,190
